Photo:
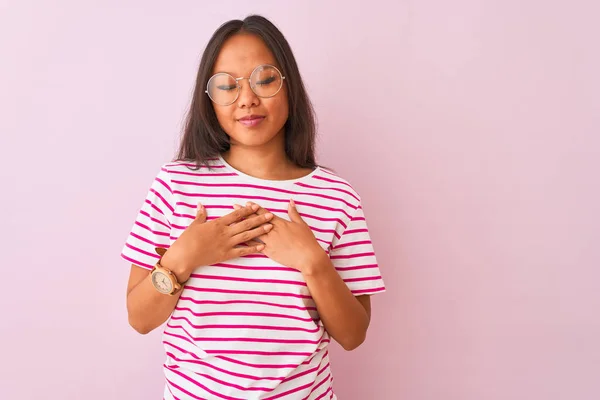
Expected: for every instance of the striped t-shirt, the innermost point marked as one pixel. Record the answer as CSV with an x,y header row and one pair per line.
x,y
247,328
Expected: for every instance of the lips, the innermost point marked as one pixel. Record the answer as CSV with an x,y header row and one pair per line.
x,y
251,120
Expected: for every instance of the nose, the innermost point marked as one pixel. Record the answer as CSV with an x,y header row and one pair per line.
x,y
248,98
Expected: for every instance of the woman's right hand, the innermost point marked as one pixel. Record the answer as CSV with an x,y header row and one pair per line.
x,y
206,243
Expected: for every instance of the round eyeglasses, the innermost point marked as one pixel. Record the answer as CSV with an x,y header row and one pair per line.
x,y
265,81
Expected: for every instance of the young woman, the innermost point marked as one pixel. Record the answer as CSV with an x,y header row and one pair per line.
x,y
253,254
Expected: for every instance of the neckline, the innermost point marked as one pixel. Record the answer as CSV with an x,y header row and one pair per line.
x,y
268,181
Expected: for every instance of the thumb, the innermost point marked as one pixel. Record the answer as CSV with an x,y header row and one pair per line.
x,y
293,212
200,213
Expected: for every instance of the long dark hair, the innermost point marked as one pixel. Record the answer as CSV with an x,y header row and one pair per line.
x,y
203,138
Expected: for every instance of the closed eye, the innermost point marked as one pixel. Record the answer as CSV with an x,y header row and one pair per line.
x,y
266,81
227,87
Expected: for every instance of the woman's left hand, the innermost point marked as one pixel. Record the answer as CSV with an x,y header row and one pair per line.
x,y
291,243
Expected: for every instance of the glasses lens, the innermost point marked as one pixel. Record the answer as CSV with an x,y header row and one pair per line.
x,y
222,89
266,81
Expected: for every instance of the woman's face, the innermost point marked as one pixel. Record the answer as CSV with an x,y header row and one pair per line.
x,y
239,56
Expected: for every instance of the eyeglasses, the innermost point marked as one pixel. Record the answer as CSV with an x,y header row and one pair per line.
x,y
265,81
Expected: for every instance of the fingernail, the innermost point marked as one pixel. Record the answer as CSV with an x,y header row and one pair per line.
x,y
292,203
260,247
268,215
268,227
255,207
200,206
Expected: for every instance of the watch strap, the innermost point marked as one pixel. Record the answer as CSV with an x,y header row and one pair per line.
x,y
177,286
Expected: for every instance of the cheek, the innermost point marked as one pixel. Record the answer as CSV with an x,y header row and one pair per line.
x,y
280,110
225,116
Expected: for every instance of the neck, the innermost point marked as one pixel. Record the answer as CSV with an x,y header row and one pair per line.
x,y
265,162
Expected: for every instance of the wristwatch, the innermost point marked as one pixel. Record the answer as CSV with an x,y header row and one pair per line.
x,y
162,278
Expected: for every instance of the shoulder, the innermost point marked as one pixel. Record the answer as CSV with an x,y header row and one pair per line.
x,y
336,192
332,180
189,170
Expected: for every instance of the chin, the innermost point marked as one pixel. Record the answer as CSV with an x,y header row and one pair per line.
x,y
252,138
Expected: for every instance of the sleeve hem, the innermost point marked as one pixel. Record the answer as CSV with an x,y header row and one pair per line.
x,y
370,291
144,265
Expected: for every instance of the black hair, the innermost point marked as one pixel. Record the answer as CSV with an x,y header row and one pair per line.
x,y
204,138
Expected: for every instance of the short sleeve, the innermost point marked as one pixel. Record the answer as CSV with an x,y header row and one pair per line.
x,y
152,227
354,257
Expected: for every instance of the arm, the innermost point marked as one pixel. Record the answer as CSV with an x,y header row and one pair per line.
x,y
345,316
292,243
200,244
146,307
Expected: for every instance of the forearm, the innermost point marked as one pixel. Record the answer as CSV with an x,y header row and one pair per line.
x,y
343,316
147,308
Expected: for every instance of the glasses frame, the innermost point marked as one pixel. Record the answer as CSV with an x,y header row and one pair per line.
x,y
239,87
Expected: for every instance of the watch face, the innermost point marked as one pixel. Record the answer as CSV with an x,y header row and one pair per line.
x,y
161,282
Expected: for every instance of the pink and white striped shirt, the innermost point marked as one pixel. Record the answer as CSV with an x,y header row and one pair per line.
x,y
248,328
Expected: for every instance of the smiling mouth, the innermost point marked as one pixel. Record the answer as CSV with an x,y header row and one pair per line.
x,y
251,121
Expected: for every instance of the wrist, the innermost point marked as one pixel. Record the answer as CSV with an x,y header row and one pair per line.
x,y
177,267
317,263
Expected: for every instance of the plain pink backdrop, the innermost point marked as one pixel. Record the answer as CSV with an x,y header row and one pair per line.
x,y
469,127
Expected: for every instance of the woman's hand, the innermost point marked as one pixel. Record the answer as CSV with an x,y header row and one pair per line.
x,y
206,243
290,243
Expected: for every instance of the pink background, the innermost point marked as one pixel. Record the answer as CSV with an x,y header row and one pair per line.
x,y
469,127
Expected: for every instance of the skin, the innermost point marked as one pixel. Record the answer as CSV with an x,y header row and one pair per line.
x,y
257,151
292,243
260,152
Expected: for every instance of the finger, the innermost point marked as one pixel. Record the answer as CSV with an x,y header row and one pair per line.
x,y
249,235
260,210
254,242
237,207
200,213
293,212
244,251
237,215
250,223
